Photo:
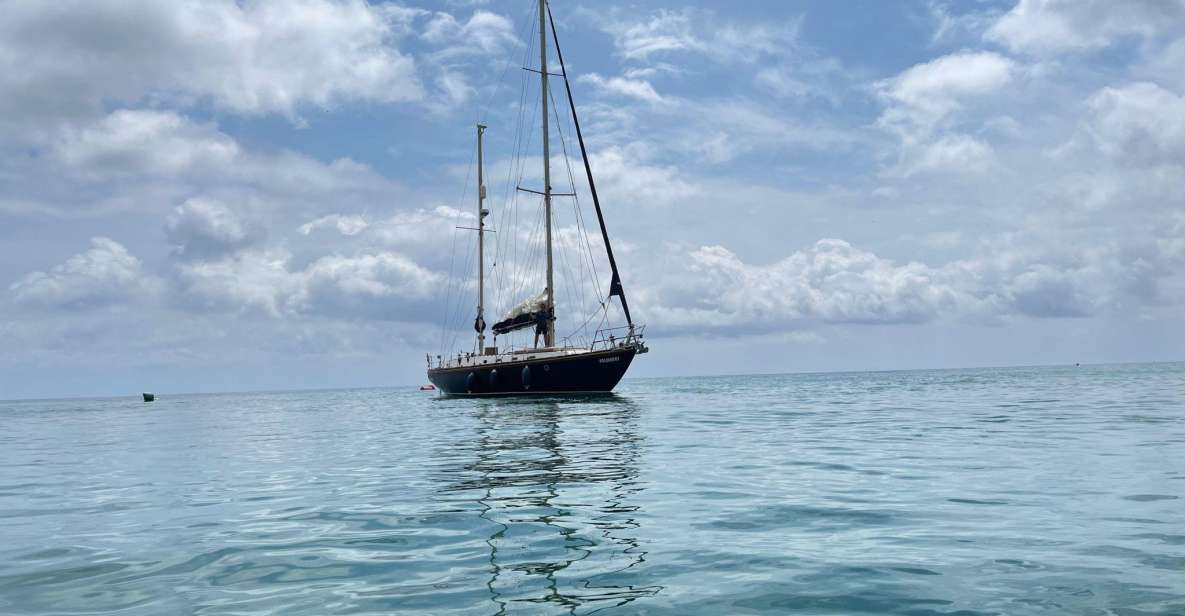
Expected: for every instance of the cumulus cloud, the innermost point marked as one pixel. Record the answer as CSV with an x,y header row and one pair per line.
x,y
143,142
711,289
1139,123
385,286
202,227
924,108
832,282
947,154
625,175
1053,26
382,285
103,275
152,159
925,95
67,59
246,281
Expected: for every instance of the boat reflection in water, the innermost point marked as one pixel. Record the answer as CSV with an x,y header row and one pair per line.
x,y
555,481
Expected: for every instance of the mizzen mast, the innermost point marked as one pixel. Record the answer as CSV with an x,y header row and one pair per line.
x,y
480,323
549,334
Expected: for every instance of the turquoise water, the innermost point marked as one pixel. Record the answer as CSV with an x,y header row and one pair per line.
x,y
1004,491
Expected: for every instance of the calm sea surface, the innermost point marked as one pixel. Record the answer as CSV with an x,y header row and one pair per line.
x,y
1004,491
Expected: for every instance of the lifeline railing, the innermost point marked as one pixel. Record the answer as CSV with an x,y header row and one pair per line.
x,y
608,338
612,337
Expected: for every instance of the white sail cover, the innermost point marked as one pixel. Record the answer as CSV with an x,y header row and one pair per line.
x,y
530,306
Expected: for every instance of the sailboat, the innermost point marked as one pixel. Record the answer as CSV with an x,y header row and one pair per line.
x,y
544,367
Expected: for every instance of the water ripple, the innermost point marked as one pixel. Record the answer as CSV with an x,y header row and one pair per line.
x,y
1014,491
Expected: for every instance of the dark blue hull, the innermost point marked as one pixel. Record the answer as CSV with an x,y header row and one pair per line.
x,y
596,371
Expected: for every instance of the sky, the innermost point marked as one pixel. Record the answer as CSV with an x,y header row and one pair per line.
x,y
217,195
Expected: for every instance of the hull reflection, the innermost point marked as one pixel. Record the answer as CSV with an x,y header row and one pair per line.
x,y
555,483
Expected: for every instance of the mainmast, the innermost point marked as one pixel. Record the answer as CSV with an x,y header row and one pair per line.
x,y
482,212
549,335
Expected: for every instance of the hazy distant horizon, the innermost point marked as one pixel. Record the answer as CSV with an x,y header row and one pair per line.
x,y
628,378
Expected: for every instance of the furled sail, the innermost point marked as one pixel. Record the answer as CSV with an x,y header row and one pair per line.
x,y
526,314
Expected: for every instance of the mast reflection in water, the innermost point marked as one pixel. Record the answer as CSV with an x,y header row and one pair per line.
x,y
555,484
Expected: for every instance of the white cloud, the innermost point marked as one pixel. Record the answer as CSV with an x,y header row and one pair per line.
x,y
625,176
205,227
1139,123
711,289
832,282
927,104
925,95
484,32
149,160
130,143
725,129
1053,26
784,82
420,229
61,60
382,285
345,225
246,281
947,154
661,32
698,31
955,20
634,88
105,274
1047,291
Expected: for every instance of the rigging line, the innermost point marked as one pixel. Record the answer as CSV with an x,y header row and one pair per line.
x,y
615,286
454,322
568,269
453,249
522,169
588,265
533,264
578,293
588,250
524,267
448,292
483,110
517,147
482,113
512,211
504,282
586,320
455,219
604,311
507,212
576,201
521,163
459,306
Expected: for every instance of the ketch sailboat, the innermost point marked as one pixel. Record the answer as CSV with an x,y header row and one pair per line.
x,y
549,368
